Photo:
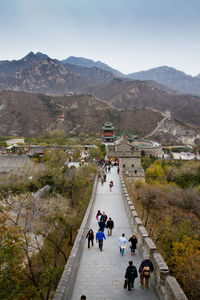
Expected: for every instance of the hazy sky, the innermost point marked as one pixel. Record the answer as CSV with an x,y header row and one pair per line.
x,y
129,35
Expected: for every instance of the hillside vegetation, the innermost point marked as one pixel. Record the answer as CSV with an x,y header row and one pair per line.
x,y
38,227
33,114
169,206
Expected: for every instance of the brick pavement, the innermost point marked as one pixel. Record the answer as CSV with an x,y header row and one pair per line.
x,y
101,274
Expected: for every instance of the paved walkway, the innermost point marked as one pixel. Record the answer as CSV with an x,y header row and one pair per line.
x,y
101,274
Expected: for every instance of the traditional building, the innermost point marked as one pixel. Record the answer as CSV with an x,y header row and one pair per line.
x,y
129,158
108,133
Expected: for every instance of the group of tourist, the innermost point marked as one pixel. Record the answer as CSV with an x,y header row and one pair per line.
x,y
106,168
103,222
131,274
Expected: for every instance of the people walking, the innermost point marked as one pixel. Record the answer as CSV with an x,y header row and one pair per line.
x,y
145,269
133,243
122,243
110,185
102,180
99,219
130,275
102,225
118,169
99,238
104,177
110,226
83,297
104,217
98,214
90,237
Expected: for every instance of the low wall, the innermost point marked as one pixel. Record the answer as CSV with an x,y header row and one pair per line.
x,y
166,286
67,281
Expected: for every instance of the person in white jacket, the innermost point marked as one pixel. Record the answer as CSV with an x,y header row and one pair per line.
x,y
122,243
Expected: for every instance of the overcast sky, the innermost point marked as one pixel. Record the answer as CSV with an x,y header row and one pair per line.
x,y
129,35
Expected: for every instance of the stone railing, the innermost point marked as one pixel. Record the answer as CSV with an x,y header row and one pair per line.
x,y
66,283
166,286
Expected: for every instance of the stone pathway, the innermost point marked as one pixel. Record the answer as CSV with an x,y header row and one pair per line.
x,y
101,274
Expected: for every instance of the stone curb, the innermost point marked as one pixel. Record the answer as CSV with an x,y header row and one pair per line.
x,y
67,281
166,286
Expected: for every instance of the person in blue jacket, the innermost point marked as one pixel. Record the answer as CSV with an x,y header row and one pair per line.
x,y
99,238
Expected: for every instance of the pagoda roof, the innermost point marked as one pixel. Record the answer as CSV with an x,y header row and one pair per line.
x,y
108,126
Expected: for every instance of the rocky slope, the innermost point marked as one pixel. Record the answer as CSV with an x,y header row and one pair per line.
x,y
172,78
172,132
7,68
39,73
89,63
28,114
46,76
93,74
138,94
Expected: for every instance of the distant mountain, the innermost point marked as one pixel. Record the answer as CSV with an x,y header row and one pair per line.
x,y
89,63
40,74
92,74
44,75
7,67
29,114
138,94
176,80
198,76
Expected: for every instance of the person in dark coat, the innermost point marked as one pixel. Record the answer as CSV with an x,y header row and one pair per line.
x,y
130,275
90,237
133,243
145,269
104,217
102,225
110,226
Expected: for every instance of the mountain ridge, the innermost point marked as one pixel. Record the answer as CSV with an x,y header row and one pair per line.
x,y
169,76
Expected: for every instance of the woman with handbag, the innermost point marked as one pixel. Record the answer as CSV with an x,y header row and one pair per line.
x,y
130,275
133,243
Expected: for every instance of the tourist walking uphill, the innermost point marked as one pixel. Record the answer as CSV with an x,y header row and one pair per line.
x,y
122,243
130,275
133,243
145,269
110,226
99,238
101,270
90,237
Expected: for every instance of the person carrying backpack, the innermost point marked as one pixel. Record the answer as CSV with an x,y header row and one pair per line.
x,y
130,275
145,269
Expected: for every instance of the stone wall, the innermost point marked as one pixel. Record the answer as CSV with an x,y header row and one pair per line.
x,y
67,281
167,287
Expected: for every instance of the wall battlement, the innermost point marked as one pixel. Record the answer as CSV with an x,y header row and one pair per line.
x,y
166,286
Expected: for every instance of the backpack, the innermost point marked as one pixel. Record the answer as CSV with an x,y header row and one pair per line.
x,y
146,271
132,272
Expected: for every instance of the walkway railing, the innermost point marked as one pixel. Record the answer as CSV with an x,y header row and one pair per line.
x,y
66,283
166,286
